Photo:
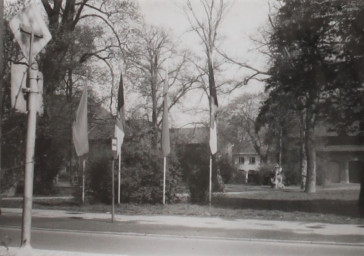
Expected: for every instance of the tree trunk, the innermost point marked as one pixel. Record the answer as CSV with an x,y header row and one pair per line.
x,y
311,158
1,76
280,146
303,155
361,194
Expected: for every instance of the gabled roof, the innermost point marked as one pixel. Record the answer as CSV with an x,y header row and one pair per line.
x,y
244,147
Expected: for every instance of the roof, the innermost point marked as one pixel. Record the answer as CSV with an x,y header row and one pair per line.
x,y
244,147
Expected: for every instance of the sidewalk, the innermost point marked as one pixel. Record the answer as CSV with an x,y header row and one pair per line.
x,y
248,229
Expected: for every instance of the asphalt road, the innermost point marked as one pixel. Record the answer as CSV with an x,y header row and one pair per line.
x,y
193,227
123,244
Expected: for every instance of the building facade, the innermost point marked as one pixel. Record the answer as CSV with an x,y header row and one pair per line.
x,y
246,160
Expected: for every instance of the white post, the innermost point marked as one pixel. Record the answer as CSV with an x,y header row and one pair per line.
x,y
210,181
83,180
275,178
112,191
119,178
29,156
164,180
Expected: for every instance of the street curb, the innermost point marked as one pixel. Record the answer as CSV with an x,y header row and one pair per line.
x,y
198,237
18,251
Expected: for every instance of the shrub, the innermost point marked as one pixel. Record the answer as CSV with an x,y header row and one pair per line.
x,y
195,163
265,174
226,168
142,182
237,178
141,179
100,180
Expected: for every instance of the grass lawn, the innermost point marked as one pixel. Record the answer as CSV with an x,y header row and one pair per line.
x,y
332,204
347,192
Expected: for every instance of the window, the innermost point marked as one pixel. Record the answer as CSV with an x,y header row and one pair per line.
x,y
252,160
241,160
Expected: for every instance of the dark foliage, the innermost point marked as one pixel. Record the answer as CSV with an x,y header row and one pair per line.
x,y
227,169
141,170
100,180
195,163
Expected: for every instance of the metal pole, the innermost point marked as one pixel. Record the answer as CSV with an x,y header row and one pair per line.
x,y
164,179
210,183
83,180
119,178
29,156
112,191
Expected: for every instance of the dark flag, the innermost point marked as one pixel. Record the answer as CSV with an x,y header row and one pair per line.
x,y
166,148
213,110
119,132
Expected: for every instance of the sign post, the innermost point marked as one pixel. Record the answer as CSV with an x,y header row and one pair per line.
x,y
114,145
32,35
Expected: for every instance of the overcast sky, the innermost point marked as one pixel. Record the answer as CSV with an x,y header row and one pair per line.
x,y
243,22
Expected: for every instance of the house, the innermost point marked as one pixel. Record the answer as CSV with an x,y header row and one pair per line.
x,y
340,157
246,159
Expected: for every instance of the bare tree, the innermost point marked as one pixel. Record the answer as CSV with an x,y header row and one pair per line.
x,y
238,125
150,58
207,27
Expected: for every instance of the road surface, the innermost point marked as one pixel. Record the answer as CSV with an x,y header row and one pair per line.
x,y
180,235
124,244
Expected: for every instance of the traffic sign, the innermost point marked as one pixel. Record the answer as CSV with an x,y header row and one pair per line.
x,y
26,23
18,82
114,146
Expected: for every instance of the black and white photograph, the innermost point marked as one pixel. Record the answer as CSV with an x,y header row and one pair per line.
x,y
181,127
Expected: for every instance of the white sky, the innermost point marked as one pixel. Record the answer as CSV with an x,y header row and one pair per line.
x,y
242,22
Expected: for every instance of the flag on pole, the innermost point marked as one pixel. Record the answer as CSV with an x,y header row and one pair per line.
x,y
213,110
119,131
80,127
166,147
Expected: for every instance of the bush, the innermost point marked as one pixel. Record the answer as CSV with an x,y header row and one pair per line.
x,y
100,180
226,168
265,174
141,170
195,163
142,182
237,178
141,179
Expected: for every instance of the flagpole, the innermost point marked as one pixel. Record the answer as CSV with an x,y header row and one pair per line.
x,y
83,180
210,183
112,191
164,180
119,178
